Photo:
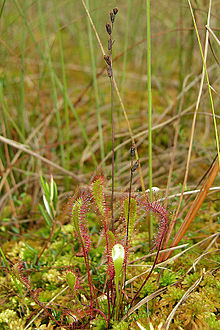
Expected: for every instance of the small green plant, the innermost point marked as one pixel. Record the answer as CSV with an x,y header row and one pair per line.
x,y
49,199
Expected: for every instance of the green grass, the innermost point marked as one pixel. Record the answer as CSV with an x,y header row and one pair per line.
x,y
96,88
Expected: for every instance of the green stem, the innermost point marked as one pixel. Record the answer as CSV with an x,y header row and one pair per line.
x,y
2,7
111,77
150,227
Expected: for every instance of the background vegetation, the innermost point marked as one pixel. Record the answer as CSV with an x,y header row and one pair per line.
x,y
55,119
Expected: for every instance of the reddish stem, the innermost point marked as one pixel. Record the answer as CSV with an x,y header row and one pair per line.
x,y
154,264
86,257
108,299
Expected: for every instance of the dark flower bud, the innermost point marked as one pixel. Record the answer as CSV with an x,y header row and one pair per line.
x,y
132,151
115,10
108,28
109,71
112,17
107,60
135,166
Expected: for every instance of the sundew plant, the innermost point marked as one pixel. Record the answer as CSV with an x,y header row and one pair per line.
x,y
110,301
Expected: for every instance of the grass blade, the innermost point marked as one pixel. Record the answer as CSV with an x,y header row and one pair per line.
x,y
150,225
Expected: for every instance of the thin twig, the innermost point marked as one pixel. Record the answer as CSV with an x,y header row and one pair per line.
x,y
36,155
213,34
151,271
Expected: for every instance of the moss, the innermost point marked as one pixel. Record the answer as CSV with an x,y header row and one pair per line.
x,y
52,276
149,288
190,279
46,295
167,278
212,322
98,324
196,309
120,326
172,296
10,320
15,250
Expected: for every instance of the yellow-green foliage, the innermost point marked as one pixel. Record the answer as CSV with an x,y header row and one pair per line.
x,y
199,310
149,288
52,276
172,296
167,278
9,320
17,250
46,295
120,326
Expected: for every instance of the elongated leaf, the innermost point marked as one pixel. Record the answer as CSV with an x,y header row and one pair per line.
x,y
44,186
45,216
29,247
55,196
98,194
76,215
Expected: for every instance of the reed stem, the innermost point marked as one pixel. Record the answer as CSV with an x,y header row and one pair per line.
x,y
150,226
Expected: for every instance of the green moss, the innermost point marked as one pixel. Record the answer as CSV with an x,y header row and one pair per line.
x,y
10,320
190,279
120,326
46,295
167,278
52,276
212,322
149,288
99,324
172,296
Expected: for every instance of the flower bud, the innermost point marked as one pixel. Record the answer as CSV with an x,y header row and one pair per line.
x,y
132,151
107,60
115,10
118,255
108,28
135,166
112,17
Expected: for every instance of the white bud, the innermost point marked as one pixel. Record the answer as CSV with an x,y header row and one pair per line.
x,y
118,255
154,189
